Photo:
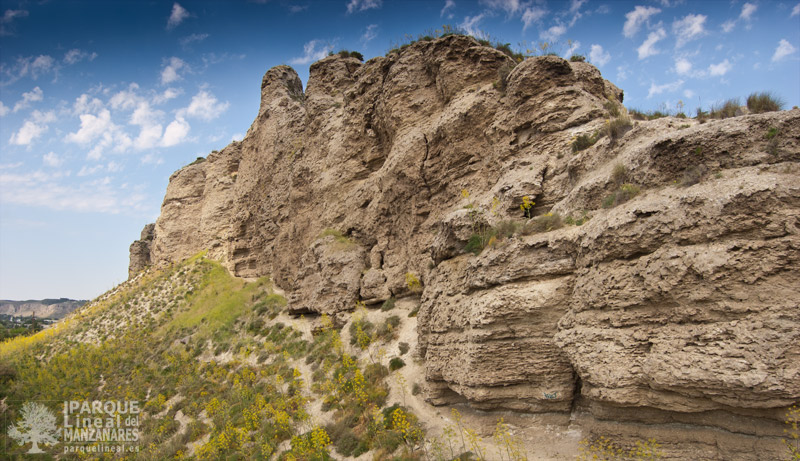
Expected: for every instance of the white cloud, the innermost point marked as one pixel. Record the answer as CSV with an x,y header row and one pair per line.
x,y
27,133
8,18
667,87
75,56
101,129
91,127
597,56
176,132
369,33
448,6
313,51
795,11
237,137
42,65
34,95
509,6
532,15
362,5
45,190
148,120
784,49
747,11
28,66
571,50
554,33
32,128
169,93
575,5
125,99
177,16
85,104
728,26
720,69
52,159
622,73
683,66
4,110
634,19
689,28
171,70
469,23
204,106
188,40
149,137
689,94
648,47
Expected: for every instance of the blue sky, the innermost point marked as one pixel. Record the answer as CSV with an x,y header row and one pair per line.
x,y
103,100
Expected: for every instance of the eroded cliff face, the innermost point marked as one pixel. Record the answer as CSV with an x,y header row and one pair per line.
x,y
677,312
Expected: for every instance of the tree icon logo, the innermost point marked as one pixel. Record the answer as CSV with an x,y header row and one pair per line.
x,y
38,425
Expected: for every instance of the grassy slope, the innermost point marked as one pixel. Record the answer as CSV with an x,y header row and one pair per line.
x,y
217,372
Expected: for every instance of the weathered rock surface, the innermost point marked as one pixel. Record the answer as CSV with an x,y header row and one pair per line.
x,y
140,251
674,312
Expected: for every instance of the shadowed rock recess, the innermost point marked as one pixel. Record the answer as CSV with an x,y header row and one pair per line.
x,y
674,315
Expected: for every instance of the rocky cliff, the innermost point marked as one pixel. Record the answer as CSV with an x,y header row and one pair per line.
x,y
673,314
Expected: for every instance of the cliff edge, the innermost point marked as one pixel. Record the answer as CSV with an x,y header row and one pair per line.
x,y
655,292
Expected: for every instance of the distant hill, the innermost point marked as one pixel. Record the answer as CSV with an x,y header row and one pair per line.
x,y
45,308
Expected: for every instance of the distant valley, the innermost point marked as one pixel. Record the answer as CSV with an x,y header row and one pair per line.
x,y
44,309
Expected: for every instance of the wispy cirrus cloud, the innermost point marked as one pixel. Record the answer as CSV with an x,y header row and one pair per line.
x,y
648,47
178,15
598,56
185,42
665,88
636,18
784,49
6,21
370,33
76,55
447,9
173,67
690,27
313,50
35,95
354,6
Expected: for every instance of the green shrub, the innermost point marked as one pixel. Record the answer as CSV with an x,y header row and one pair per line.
x,y
414,312
617,127
612,108
507,228
577,58
388,329
620,173
396,364
416,389
637,114
772,132
621,195
583,141
388,304
403,348
727,109
758,103
350,54
544,223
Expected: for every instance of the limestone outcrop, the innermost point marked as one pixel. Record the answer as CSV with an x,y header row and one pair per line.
x,y
673,314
